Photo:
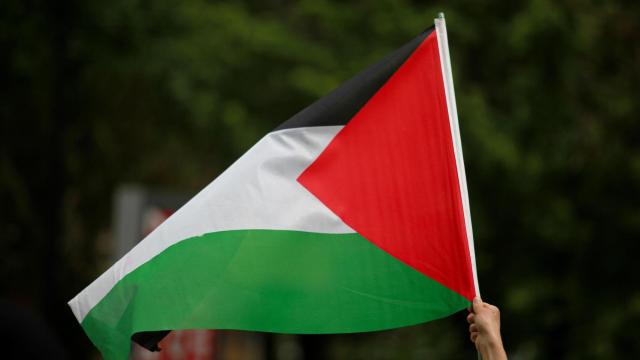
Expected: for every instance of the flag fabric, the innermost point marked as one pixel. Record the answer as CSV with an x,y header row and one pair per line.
x,y
351,216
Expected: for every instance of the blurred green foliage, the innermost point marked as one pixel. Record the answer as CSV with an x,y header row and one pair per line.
x,y
168,94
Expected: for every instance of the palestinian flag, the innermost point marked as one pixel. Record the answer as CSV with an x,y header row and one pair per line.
x,y
351,216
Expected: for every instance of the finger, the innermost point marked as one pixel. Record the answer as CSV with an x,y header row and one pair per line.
x,y
471,318
473,328
473,337
477,303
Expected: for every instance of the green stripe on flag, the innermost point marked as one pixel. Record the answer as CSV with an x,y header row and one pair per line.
x,y
267,280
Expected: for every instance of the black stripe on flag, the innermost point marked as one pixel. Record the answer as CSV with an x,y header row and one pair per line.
x,y
340,105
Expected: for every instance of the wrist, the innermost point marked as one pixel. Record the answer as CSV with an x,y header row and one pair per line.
x,y
493,349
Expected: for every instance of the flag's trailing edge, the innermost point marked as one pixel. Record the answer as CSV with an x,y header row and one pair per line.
x,y
351,216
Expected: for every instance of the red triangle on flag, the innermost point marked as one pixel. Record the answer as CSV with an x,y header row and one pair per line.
x,y
390,174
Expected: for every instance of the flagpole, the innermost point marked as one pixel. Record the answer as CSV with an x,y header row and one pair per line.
x,y
445,62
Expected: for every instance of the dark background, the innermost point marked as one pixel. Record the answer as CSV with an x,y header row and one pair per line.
x,y
168,93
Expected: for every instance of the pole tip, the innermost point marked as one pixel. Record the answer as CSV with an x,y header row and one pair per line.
x,y
441,15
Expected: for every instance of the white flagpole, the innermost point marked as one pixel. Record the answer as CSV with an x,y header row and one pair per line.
x,y
445,62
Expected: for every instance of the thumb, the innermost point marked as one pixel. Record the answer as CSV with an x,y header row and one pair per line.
x,y
477,303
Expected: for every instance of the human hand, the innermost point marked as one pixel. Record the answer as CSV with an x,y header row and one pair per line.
x,y
484,329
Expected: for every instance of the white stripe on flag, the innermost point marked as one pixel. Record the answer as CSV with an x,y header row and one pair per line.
x,y
259,191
